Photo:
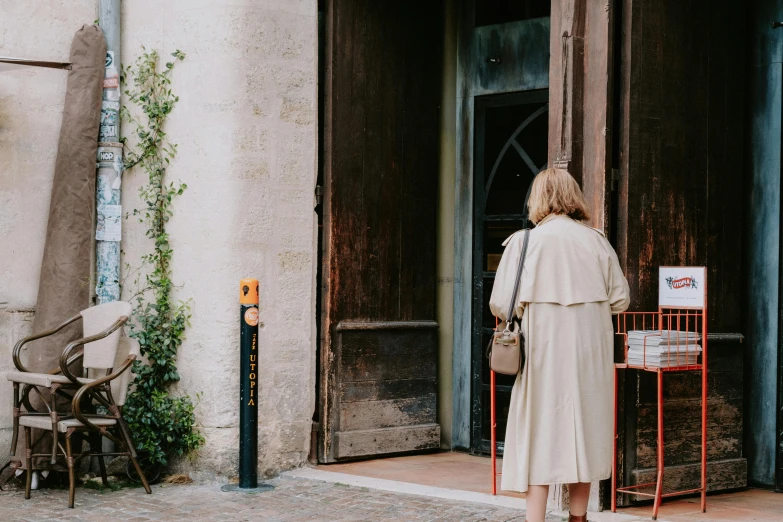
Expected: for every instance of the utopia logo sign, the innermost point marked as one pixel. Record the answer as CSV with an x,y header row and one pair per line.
x,y
682,286
682,282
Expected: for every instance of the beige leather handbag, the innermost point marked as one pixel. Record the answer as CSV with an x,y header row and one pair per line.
x,y
506,350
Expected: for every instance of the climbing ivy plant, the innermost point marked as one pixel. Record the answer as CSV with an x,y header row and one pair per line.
x,y
162,424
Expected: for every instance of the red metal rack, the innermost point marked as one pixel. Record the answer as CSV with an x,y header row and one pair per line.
x,y
494,425
678,322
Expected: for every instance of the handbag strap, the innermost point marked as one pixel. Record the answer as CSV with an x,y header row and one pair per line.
x,y
510,314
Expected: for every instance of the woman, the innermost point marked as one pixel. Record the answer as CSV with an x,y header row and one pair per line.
x,y
560,417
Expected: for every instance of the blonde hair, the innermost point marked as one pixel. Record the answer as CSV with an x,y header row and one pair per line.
x,y
555,191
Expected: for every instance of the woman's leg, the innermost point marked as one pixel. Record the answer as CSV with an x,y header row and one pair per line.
x,y
536,503
578,494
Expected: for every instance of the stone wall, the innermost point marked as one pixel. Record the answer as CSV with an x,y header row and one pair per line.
x,y
13,326
246,126
31,102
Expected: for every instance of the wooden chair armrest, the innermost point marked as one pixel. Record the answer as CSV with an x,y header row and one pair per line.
x,y
17,353
66,359
87,389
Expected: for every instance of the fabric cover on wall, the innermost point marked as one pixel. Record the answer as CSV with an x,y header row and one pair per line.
x,y
64,284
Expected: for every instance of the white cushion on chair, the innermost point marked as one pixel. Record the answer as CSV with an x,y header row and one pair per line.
x,y
100,354
41,379
44,422
119,386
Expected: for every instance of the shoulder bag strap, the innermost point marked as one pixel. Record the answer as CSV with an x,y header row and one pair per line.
x,y
510,315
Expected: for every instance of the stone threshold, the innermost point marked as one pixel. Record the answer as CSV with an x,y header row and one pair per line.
x,y
410,488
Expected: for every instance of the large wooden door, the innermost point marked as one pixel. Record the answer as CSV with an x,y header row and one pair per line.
x,y
647,97
680,185
379,335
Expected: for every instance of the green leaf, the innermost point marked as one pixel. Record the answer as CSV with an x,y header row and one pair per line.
x,y
162,425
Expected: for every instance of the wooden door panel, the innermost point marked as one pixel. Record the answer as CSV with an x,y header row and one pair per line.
x,y
356,444
379,351
680,203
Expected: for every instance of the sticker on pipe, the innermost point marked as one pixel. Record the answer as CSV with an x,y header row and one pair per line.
x,y
251,316
682,286
109,223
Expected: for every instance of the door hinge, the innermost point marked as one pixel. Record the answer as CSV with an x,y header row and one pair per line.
x,y
319,195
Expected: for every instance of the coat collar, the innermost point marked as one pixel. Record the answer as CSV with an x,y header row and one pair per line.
x,y
551,217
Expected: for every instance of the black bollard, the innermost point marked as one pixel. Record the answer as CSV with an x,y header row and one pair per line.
x,y
248,391
248,383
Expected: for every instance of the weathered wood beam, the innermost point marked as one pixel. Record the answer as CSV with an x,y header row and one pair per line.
x,y
354,444
597,113
566,84
721,474
580,98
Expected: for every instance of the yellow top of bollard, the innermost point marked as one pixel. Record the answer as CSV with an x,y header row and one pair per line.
x,y
248,291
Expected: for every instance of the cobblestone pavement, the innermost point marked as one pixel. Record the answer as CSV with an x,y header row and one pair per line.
x,y
291,500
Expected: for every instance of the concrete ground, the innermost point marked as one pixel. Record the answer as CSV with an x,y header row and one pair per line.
x,y
451,470
447,486
438,473
293,499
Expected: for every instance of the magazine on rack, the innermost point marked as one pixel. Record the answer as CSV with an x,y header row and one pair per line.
x,y
663,348
662,338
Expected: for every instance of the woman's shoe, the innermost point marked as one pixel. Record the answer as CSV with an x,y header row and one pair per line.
x,y
574,518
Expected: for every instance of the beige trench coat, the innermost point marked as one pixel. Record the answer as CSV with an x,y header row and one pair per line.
x,y
560,417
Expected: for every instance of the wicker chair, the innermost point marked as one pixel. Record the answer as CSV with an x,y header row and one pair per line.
x,y
101,326
108,392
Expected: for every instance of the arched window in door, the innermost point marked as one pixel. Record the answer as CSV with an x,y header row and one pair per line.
x,y
511,148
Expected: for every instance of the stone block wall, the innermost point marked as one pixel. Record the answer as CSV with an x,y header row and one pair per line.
x,y
246,125
14,325
31,103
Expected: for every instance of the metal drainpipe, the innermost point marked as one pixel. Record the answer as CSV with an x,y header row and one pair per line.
x,y
109,164
109,210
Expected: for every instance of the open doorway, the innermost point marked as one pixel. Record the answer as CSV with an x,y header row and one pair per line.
x,y
502,122
511,148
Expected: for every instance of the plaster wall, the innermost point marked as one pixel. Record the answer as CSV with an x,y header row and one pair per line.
x,y
31,101
246,125
13,326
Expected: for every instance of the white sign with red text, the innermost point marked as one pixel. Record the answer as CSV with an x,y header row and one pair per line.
x,y
682,286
